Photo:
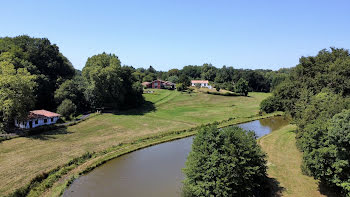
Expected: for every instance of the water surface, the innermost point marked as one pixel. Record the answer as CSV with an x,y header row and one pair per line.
x,y
153,171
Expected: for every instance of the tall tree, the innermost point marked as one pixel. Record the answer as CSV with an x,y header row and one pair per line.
x,y
16,94
242,87
40,58
110,84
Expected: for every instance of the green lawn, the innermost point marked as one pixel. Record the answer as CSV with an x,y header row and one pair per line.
x,y
23,158
284,162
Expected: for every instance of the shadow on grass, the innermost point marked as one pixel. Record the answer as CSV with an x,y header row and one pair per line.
x,y
328,191
145,108
48,135
273,188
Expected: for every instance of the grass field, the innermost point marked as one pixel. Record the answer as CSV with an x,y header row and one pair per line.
x,y
21,159
284,162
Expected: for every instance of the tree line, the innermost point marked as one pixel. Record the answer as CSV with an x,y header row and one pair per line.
x,y
224,78
316,94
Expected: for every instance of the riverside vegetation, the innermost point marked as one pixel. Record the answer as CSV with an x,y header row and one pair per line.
x,y
317,95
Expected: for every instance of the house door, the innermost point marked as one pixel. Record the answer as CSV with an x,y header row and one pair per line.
x,y
30,124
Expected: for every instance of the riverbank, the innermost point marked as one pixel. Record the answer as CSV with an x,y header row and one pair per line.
x,y
100,158
26,158
284,161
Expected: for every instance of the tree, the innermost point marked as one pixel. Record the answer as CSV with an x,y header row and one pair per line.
x,y
40,58
190,71
185,80
208,72
16,94
198,85
67,109
73,90
109,84
181,87
174,72
173,79
242,87
224,162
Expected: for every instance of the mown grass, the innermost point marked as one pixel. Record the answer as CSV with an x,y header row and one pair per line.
x,y
284,160
22,159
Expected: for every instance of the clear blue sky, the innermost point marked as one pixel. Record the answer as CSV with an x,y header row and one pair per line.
x,y
172,34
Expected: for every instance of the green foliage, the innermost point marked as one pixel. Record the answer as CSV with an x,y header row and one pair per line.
x,y
241,87
110,84
185,80
40,58
16,93
67,109
173,79
198,85
73,90
314,93
224,162
270,104
181,87
217,89
208,72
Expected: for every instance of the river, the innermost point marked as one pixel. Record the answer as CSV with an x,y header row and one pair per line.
x,y
154,171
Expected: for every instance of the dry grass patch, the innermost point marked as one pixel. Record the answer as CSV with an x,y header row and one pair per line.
x,y
284,160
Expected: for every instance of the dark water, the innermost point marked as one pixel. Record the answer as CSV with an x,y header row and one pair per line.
x,y
153,171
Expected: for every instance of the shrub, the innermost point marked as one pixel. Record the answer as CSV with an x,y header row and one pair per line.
x,y
270,104
67,108
224,162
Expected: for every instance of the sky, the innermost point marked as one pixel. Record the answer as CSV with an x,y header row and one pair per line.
x,y
172,33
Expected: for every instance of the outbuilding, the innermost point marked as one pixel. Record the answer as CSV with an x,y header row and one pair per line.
x,y
38,118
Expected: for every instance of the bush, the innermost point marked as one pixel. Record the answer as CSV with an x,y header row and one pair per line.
x,y
224,162
181,87
270,104
217,89
67,108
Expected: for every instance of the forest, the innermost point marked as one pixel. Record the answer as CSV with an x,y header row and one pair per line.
x,y
316,94
34,74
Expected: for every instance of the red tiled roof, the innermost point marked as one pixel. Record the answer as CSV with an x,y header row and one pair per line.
x,y
146,83
199,81
42,114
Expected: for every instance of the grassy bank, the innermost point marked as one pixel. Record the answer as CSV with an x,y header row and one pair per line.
x,y
163,118
284,162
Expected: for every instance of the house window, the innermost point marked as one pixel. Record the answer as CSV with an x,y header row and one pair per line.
x,y
45,120
155,83
36,122
51,119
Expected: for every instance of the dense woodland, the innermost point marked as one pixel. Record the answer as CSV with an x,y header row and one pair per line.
x,y
316,94
34,74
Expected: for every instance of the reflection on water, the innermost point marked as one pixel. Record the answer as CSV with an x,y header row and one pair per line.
x,y
153,171
265,126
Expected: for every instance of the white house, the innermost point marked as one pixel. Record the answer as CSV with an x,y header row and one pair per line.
x,y
204,83
38,118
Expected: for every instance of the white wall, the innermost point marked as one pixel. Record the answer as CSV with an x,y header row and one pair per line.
x,y
40,122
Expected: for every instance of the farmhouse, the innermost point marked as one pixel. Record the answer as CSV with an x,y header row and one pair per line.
x,y
38,118
203,83
159,84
